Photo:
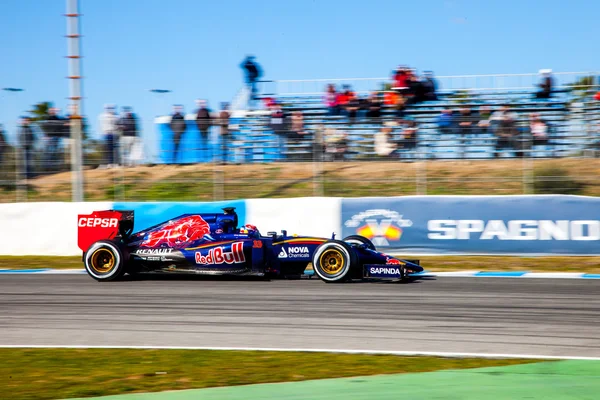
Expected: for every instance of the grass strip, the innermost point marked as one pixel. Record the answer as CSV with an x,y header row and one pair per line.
x,y
69,373
430,263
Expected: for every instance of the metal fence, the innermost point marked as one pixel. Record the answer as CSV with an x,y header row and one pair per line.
x,y
312,153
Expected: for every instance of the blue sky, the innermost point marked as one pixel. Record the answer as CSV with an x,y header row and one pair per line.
x,y
194,47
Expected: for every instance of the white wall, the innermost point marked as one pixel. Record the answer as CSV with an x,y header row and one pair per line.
x,y
51,228
42,228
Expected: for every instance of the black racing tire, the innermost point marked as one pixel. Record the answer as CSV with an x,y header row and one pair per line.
x,y
104,261
360,240
335,261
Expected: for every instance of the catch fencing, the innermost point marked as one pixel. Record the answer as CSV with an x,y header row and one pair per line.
x,y
398,151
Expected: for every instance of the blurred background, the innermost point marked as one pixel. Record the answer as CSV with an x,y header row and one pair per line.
x,y
201,102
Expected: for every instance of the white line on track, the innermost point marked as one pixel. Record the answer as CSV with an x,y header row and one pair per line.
x,y
345,351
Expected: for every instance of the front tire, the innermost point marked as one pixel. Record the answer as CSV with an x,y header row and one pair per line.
x,y
334,261
357,239
104,261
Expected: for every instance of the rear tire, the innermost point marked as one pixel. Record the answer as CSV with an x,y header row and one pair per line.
x,y
335,261
104,261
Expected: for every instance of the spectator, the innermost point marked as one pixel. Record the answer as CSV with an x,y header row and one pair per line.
x,y
400,80
297,132
224,130
484,123
597,96
505,125
3,144
545,85
203,122
373,106
344,98
331,100
318,147
429,87
178,127
269,102
538,129
409,136
445,122
352,109
416,89
26,143
55,128
390,98
336,144
108,122
278,125
253,73
128,127
384,143
400,107
278,120
467,122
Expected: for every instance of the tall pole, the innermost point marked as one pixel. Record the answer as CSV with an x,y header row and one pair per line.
x,y
74,56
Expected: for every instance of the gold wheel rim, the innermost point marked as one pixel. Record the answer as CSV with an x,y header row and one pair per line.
x,y
332,261
102,261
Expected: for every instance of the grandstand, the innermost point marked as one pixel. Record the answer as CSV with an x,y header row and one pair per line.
x,y
571,114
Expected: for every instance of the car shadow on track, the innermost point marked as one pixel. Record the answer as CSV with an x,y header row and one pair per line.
x,y
233,278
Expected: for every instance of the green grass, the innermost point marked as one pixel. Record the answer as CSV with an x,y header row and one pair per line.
x,y
295,179
437,263
68,373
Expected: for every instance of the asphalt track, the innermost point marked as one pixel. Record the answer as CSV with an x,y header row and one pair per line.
x,y
547,317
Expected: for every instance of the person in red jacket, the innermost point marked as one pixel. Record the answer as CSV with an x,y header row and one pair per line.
x,y
401,79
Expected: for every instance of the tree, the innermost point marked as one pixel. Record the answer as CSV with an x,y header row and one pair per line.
x,y
40,111
582,87
462,96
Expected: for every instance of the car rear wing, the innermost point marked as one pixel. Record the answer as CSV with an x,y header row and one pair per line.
x,y
107,224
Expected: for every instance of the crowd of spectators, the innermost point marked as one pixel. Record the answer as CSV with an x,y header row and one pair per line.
x,y
399,136
504,125
396,134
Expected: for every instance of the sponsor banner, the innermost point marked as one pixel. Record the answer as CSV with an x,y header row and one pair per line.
x,y
148,214
548,224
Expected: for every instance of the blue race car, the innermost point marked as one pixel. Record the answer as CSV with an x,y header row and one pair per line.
x,y
213,244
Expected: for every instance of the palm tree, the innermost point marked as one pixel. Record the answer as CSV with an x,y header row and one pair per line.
x,y
40,111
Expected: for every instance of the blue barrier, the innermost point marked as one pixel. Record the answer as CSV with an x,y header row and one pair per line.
x,y
527,225
151,213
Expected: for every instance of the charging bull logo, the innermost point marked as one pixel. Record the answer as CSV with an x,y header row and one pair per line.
x,y
178,233
381,226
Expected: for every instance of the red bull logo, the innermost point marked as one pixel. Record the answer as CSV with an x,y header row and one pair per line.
x,y
218,255
178,233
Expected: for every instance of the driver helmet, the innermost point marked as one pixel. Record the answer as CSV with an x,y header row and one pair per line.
x,y
248,229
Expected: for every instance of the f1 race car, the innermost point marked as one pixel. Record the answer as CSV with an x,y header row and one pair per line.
x,y
213,244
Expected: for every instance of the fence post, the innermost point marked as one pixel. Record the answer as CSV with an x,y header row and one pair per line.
x,y
218,182
19,167
527,170
421,173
